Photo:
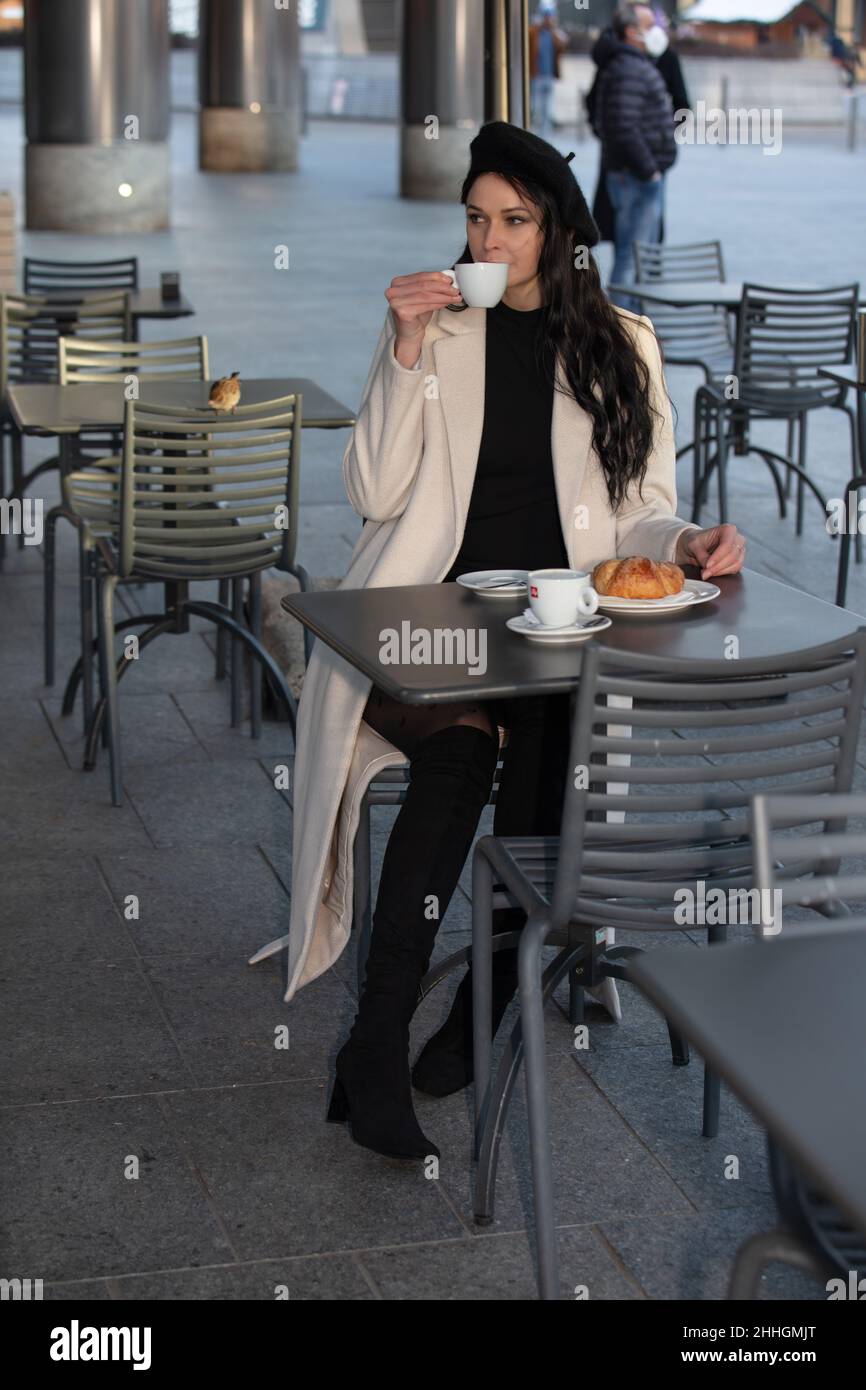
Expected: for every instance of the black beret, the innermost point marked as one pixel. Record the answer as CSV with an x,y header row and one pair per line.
x,y
502,148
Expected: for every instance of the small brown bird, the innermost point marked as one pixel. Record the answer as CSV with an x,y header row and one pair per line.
x,y
225,394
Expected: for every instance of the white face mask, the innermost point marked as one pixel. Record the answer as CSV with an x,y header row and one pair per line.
x,y
655,40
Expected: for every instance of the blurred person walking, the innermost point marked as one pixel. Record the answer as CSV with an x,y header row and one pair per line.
x,y
634,119
546,43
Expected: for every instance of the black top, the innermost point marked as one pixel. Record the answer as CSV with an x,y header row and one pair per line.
x,y
513,518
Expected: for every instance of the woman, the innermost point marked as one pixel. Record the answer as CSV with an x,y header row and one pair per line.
x,y
464,456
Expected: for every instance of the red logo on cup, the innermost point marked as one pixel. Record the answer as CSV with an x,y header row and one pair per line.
x,y
533,591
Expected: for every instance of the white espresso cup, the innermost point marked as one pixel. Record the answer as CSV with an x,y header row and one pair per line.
x,y
559,597
481,283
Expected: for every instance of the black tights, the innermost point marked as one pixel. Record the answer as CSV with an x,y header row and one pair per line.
x,y
532,782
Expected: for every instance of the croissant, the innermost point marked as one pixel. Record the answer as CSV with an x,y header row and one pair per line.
x,y
637,577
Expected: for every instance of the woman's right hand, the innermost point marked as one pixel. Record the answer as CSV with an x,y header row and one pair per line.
x,y
414,298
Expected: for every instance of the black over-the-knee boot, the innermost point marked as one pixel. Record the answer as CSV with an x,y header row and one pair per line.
x,y
529,802
451,774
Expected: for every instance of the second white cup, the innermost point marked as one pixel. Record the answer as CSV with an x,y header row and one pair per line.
x,y
481,283
559,597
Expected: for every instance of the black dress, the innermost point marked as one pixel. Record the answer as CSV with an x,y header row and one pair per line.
x,y
513,520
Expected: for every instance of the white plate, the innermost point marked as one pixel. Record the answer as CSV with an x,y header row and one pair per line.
x,y
693,591
475,581
575,632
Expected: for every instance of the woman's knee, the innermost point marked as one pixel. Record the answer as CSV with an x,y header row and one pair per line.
x,y
466,716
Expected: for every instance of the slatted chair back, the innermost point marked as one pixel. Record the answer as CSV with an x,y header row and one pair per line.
x,y
31,327
785,336
703,741
82,277
91,360
206,496
693,333
841,896
88,489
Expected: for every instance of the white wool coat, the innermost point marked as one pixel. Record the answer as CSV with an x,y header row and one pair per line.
x,y
409,469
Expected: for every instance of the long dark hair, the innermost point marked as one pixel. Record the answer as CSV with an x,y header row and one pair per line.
x,y
604,371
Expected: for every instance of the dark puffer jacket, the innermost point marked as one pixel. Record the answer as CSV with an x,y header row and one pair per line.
x,y
634,115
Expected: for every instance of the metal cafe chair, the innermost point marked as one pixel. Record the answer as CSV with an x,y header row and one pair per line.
x,y
703,740
89,504
811,1234
698,336
694,336
199,498
31,327
784,338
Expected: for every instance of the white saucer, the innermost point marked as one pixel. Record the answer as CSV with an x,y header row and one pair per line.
x,y
475,581
529,626
693,591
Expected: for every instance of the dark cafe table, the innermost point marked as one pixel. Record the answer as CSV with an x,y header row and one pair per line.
x,y
744,1008
684,294
769,619
145,303
46,408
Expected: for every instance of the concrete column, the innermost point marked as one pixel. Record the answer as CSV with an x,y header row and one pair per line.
x,y
96,115
462,64
250,85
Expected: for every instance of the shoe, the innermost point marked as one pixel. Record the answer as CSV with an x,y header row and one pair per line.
x,y
445,1063
451,774
372,1094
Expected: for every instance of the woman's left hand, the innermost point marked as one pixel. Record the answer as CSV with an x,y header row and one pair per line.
x,y
718,550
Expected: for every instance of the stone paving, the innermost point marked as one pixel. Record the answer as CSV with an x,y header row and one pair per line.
x,y
152,1037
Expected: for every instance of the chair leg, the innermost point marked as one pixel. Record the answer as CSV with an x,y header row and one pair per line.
x,y
256,673
722,461
801,460
3,493
18,474
86,623
857,466
237,654
482,985
109,670
48,603
576,999
790,445
712,1084
538,1109
221,634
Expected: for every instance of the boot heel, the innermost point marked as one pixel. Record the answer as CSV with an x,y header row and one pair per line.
x,y
338,1110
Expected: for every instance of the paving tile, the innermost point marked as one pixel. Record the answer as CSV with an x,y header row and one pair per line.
x,y
688,1256
232,1027
217,903
69,1212
494,1268
326,1277
79,1029
60,912
191,804
662,1104
152,731
69,811
287,1183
